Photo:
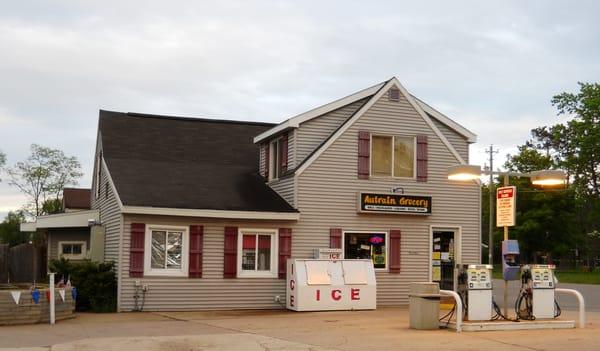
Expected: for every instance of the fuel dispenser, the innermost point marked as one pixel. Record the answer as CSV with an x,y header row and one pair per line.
x,y
475,288
511,268
536,299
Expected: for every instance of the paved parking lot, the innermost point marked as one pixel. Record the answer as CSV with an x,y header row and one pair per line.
x,y
383,329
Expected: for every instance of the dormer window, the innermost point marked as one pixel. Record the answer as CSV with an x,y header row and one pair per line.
x,y
275,158
278,157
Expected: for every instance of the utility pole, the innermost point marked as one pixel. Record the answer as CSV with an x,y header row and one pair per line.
x,y
491,151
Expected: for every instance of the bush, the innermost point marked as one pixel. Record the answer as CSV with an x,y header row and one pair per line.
x,y
96,283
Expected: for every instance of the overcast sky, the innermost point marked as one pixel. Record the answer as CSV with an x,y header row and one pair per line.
x,y
492,66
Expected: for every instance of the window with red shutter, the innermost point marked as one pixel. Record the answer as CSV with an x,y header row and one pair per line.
x,y
196,248
364,153
335,238
230,252
395,246
422,158
136,250
285,250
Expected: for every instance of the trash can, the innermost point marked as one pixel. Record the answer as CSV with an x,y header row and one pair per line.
x,y
424,305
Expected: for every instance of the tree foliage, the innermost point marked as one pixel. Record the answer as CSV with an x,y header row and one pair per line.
x,y
2,161
10,229
557,222
43,176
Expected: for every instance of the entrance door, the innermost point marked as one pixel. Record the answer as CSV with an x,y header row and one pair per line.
x,y
443,258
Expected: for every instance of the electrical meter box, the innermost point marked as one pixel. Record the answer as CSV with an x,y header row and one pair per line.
x,y
542,284
511,268
330,285
476,284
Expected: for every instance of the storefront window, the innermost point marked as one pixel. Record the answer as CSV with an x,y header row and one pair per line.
x,y
371,246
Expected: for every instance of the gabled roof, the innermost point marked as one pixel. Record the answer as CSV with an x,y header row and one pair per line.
x,y
467,134
385,87
294,122
186,163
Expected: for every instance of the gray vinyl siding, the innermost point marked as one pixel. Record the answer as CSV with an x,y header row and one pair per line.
x,y
312,133
327,197
459,142
211,292
57,235
262,163
285,188
110,215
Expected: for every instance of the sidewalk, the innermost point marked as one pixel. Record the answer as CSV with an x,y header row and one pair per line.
x,y
383,329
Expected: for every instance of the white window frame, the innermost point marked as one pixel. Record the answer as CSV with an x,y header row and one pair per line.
x,y
98,174
166,272
393,136
387,245
274,161
80,256
273,273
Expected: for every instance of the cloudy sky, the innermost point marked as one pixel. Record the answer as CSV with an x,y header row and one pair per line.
x,y
493,66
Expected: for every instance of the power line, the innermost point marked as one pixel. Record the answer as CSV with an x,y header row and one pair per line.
x,y
491,151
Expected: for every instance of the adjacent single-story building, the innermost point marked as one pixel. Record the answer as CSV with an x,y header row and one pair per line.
x,y
204,213
72,234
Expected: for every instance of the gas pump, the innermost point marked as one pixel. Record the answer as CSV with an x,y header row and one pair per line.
x,y
536,299
510,260
475,288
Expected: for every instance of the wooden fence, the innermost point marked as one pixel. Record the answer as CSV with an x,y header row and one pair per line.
x,y
23,263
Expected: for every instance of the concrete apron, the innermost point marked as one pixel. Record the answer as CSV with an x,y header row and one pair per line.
x,y
233,342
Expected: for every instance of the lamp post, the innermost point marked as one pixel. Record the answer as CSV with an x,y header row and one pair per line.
x,y
472,172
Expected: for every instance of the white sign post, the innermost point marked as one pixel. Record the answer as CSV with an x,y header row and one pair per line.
x,y
506,208
51,302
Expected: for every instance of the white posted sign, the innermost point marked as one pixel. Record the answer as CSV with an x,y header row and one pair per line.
x,y
506,206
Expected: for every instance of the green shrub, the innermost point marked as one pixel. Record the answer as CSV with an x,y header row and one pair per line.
x,y
96,283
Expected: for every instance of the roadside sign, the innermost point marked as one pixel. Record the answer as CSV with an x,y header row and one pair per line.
x,y
506,206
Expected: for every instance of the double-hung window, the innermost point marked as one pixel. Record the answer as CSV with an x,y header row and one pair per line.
x,y
276,158
257,253
393,156
166,251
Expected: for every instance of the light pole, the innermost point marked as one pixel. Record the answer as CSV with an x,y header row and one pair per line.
x,y
542,178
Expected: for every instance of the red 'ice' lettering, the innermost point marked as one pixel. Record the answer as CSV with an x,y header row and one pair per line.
x,y
354,294
292,284
318,295
336,295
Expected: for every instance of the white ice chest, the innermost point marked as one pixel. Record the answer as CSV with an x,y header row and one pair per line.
x,y
327,285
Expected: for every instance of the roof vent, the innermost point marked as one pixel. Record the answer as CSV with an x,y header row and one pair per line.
x,y
394,94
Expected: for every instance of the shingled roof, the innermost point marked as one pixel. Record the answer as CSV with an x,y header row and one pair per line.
x,y
188,163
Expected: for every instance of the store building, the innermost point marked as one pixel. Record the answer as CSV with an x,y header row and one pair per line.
x,y
205,213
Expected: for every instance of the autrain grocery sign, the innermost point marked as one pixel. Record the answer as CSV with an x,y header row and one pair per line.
x,y
394,203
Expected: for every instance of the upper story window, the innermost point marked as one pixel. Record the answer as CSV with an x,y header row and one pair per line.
x,y
166,251
275,158
257,253
393,156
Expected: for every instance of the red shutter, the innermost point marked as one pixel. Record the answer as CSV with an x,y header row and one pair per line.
x,y
335,238
196,246
284,153
395,246
267,163
285,250
230,252
136,250
364,154
421,158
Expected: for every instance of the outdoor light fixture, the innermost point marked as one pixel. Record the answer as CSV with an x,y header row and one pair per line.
x,y
548,177
464,172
